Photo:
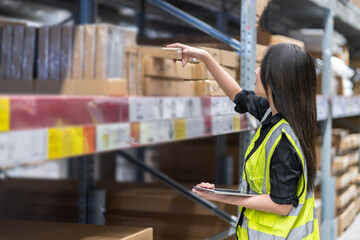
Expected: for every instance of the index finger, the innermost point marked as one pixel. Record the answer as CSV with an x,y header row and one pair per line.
x,y
176,45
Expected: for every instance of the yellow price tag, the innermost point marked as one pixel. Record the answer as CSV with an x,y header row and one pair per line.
x,y
73,141
236,123
179,129
4,114
55,143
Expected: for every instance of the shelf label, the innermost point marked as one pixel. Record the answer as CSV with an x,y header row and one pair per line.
x,y
112,136
195,127
55,143
146,133
4,114
89,139
73,141
236,123
179,129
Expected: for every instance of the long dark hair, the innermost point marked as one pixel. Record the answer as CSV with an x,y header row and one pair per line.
x,y
290,73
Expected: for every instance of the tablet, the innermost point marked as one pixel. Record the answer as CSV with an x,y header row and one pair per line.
x,y
226,191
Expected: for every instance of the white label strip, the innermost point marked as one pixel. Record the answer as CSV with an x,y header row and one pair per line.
x,y
222,124
144,109
222,106
112,136
21,147
189,107
195,127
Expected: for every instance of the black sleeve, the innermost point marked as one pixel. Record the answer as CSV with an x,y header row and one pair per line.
x,y
285,170
248,101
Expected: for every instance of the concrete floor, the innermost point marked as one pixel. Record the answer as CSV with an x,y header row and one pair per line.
x,y
353,232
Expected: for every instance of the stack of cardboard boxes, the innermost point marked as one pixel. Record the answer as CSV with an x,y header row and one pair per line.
x,y
171,215
345,169
41,200
32,230
17,58
164,77
83,60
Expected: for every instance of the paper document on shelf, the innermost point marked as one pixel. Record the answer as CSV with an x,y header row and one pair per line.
x,y
225,191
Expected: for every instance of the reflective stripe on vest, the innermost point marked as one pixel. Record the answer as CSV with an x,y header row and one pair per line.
x,y
295,234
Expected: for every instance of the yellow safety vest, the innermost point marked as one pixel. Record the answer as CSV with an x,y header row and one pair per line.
x,y
301,222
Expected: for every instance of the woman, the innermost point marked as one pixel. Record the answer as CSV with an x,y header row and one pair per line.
x,y
280,164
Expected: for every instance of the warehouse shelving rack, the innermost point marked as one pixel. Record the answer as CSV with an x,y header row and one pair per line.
x,y
328,109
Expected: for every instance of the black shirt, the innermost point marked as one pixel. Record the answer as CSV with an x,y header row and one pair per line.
x,y
285,165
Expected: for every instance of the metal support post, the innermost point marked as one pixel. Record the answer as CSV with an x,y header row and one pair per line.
x,y
248,64
220,148
329,225
87,11
196,23
222,18
181,189
86,180
141,16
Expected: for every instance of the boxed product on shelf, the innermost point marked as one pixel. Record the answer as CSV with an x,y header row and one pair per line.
x,y
38,199
344,180
348,195
171,215
208,88
83,60
17,59
166,87
313,39
342,163
346,218
275,39
56,231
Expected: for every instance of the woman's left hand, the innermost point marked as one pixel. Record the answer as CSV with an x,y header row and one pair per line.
x,y
206,194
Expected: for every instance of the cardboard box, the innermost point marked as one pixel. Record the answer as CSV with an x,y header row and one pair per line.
x,y
28,60
66,52
130,38
167,68
107,87
159,52
89,52
163,87
208,88
260,6
6,46
17,86
230,71
342,163
229,59
115,52
66,87
101,52
171,215
17,53
347,217
347,178
78,53
214,52
275,39
133,70
346,197
32,230
54,53
260,52
47,200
